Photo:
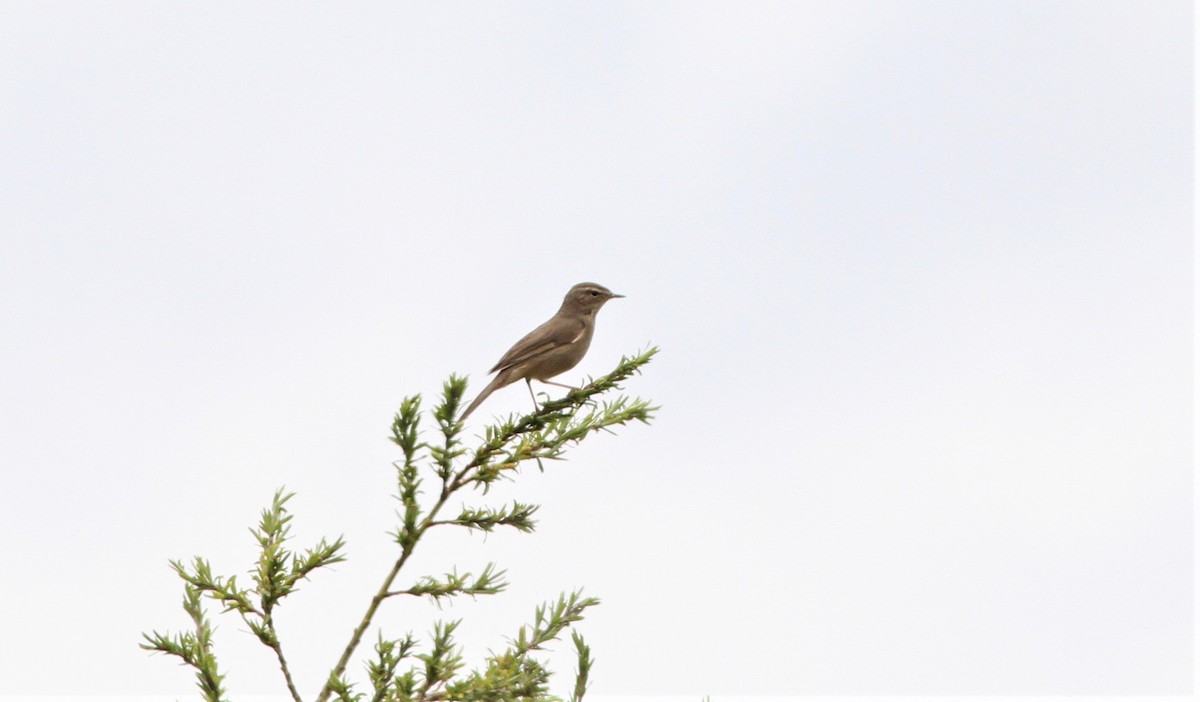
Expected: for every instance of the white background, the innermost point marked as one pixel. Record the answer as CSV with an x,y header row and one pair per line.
x,y
920,272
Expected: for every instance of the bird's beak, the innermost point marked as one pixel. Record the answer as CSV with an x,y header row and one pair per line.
x,y
616,295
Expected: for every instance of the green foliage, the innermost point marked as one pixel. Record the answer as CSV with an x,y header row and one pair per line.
x,y
194,648
489,582
584,654
519,516
402,669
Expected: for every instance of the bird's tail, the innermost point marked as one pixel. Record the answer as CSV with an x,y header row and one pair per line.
x,y
498,382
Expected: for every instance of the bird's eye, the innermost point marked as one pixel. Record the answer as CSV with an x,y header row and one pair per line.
x,y
594,292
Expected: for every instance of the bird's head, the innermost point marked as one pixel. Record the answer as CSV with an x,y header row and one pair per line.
x,y
586,298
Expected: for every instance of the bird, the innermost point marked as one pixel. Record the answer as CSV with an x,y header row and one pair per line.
x,y
555,347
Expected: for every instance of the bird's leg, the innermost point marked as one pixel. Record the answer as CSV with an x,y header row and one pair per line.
x,y
529,384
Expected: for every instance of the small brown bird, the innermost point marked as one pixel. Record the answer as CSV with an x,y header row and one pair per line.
x,y
555,347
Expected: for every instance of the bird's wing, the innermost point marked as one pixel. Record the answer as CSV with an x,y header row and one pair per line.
x,y
558,331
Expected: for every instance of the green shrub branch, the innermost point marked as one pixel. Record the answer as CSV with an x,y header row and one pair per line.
x,y
402,669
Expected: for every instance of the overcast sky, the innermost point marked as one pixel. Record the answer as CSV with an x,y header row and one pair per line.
x,y
920,273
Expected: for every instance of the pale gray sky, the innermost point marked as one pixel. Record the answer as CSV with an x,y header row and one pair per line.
x,y
920,271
